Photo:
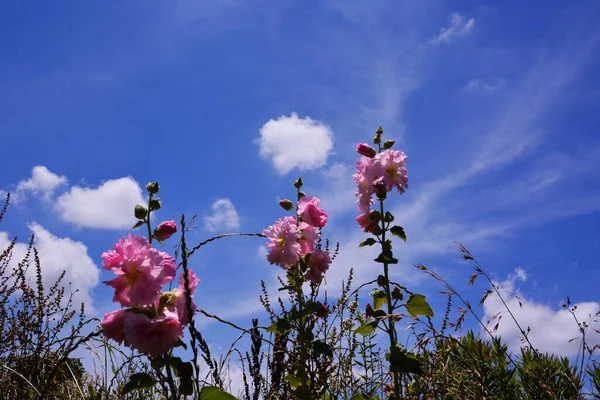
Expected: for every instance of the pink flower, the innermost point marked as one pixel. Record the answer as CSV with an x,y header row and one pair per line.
x,y
152,337
141,269
308,209
365,150
165,230
112,325
392,165
318,264
283,242
365,176
366,223
310,236
175,302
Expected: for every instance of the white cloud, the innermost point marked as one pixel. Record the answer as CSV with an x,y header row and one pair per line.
x,y
42,183
262,252
551,326
109,206
292,142
58,255
224,216
486,86
458,28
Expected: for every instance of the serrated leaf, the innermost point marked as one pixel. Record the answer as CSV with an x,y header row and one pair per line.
x,y
138,224
294,382
368,242
214,393
398,231
366,328
404,362
379,299
417,305
281,326
323,348
138,381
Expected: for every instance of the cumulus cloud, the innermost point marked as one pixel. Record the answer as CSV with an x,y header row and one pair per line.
x,y
224,216
552,327
459,27
58,255
109,206
42,183
292,142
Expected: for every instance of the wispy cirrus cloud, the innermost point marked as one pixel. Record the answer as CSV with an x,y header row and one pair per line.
x,y
459,27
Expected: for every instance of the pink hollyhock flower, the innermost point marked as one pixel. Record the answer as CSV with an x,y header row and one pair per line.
x,y
165,230
365,176
310,236
366,223
308,209
365,150
112,325
152,337
283,242
175,302
141,269
318,264
392,165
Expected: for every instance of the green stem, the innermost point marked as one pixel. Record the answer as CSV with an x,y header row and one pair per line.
x,y
391,325
148,220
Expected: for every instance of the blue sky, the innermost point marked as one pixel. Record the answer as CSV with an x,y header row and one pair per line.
x,y
495,105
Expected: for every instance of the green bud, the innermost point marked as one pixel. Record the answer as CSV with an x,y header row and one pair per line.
x,y
140,212
301,195
388,144
397,293
377,139
155,204
379,131
388,217
298,184
152,187
286,204
381,281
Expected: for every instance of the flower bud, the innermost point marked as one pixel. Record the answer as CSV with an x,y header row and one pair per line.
x,y
165,230
377,139
366,150
375,216
140,212
152,187
380,189
379,131
388,144
286,204
298,184
369,311
381,280
155,204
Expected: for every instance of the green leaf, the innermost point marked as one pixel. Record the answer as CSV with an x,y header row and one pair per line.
x,y
281,326
186,386
214,393
386,257
358,396
397,293
137,382
294,382
323,348
404,362
416,305
366,328
368,242
398,231
138,224
379,299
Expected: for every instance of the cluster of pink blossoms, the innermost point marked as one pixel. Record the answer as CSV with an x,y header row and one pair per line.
x,y
291,238
153,321
377,174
